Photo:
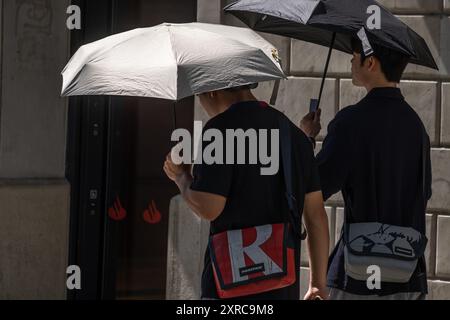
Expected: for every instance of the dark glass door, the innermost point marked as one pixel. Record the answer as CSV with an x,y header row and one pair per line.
x,y
123,195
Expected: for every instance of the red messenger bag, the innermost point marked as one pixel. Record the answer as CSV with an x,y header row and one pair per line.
x,y
259,259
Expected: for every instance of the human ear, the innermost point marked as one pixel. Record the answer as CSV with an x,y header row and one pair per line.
x,y
372,63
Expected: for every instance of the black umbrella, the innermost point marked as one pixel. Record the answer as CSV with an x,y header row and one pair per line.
x,y
332,23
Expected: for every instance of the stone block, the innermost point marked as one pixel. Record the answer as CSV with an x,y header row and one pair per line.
x,y
440,199
350,94
339,223
444,65
34,239
443,252
447,6
434,29
412,6
430,251
264,91
304,282
295,95
422,96
209,11
188,236
33,115
445,115
309,59
438,290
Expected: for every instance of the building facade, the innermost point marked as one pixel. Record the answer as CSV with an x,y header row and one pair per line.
x,y
427,91
69,168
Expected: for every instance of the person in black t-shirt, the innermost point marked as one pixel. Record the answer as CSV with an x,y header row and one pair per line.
x,y
237,196
373,153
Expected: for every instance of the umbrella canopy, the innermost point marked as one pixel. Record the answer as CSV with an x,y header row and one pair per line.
x,y
333,22
171,61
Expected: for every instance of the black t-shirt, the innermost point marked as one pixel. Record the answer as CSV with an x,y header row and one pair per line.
x,y
254,199
373,154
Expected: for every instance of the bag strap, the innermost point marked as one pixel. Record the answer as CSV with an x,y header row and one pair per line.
x,y
286,156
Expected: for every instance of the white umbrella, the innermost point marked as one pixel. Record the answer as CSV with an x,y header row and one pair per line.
x,y
171,61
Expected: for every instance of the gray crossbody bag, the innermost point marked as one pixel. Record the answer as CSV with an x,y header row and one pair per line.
x,y
395,250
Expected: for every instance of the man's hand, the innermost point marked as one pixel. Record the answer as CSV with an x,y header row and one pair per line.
x,y
175,172
207,206
315,293
310,124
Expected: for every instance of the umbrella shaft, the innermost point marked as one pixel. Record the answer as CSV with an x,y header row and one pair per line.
x,y
333,39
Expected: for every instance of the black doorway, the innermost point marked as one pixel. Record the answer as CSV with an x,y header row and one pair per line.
x,y
116,148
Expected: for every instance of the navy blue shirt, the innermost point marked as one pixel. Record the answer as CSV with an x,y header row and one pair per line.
x,y
254,199
373,155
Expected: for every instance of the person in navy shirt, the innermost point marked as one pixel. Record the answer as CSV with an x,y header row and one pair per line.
x,y
373,155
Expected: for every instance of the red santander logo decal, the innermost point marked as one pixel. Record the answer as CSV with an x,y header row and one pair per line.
x,y
152,215
117,212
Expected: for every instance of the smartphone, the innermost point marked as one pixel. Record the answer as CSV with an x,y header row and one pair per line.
x,y
313,105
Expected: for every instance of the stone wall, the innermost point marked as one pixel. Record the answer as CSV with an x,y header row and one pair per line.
x,y
427,91
34,195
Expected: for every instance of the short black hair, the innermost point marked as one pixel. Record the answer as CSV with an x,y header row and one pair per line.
x,y
393,63
246,87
